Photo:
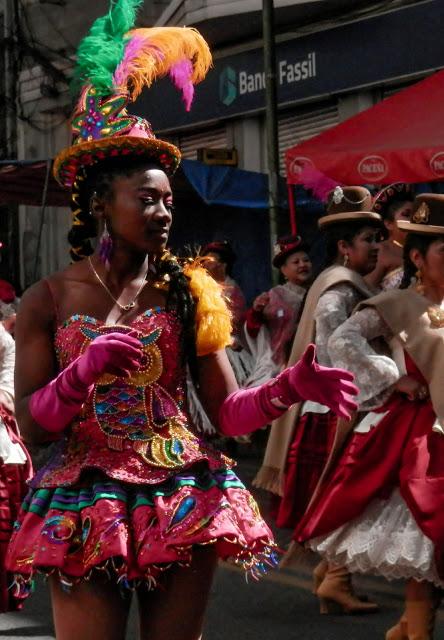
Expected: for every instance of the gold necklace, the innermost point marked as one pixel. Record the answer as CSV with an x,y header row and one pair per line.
x,y
397,244
122,307
436,316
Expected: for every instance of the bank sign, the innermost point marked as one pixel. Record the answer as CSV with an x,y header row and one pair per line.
x,y
320,64
233,84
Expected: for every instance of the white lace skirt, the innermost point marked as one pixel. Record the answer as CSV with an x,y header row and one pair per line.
x,y
384,540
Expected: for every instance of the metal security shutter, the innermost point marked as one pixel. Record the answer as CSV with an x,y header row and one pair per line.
x,y
215,138
296,126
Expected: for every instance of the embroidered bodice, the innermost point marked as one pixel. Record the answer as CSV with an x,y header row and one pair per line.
x,y
134,429
392,279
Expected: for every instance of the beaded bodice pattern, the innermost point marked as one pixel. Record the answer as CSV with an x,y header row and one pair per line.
x,y
135,429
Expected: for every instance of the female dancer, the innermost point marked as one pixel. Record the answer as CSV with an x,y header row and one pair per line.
x,y
278,309
393,203
381,510
132,497
300,442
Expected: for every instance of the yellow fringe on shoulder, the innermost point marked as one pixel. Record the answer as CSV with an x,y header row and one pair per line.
x,y
213,317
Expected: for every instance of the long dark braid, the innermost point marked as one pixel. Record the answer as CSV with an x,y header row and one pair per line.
x,y
98,181
83,224
180,300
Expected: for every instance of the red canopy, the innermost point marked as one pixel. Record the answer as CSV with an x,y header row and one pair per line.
x,y
30,183
399,139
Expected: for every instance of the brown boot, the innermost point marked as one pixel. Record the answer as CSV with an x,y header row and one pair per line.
x,y
421,618
399,631
336,593
319,573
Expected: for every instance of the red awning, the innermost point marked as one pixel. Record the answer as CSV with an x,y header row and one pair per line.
x,y
24,183
399,139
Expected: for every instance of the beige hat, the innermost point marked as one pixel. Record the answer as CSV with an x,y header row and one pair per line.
x,y
427,215
346,204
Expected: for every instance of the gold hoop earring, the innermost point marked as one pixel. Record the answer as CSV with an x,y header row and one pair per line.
x,y
346,260
419,285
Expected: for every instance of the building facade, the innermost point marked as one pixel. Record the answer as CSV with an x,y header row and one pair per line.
x,y
334,59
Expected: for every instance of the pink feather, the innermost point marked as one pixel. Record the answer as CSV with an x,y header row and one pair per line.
x,y
317,182
131,51
180,74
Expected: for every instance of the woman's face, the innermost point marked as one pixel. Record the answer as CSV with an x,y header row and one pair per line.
x,y
362,252
432,264
402,212
138,211
297,268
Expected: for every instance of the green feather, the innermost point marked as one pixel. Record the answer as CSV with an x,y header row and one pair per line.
x,y
101,51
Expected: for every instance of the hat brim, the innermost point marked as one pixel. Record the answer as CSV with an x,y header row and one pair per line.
x,y
280,258
85,154
412,227
336,218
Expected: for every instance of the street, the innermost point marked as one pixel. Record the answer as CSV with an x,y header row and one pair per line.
x,y
279,606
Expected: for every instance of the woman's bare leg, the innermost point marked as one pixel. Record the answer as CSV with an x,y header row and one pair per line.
x,y
91,610
176,609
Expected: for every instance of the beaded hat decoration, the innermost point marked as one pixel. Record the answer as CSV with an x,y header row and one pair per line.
x,y
396,192
285,246
427,216
347,204
114,64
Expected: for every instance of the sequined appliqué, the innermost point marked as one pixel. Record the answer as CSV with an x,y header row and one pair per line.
x,y
137,408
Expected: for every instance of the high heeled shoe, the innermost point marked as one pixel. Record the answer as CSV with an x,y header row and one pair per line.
x,y
399,631
336,594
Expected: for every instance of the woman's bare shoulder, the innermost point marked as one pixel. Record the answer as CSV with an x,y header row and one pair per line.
x,y
40,300
76,272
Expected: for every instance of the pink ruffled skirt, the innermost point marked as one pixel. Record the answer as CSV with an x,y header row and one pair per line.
x,y
135,532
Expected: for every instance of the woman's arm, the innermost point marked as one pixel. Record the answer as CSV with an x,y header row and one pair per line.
x,y
216,382
255,318
35,362
332,310
349,347
246,410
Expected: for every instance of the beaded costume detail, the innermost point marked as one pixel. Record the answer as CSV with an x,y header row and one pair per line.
x,y
133,429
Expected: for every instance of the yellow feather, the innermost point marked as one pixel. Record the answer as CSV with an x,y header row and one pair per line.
x,y
160,49
213,318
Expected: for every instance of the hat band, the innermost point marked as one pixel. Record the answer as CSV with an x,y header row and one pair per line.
x,y
334,218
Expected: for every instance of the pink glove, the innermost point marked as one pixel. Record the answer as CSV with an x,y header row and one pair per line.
x,y
246,410
55,405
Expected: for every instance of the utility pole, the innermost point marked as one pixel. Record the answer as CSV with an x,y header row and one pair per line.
x,y
271,120
9,224
11,16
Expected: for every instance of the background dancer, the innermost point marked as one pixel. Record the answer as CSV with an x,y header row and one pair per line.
x,y
381,509
277,311
393,203
300,442
15,464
